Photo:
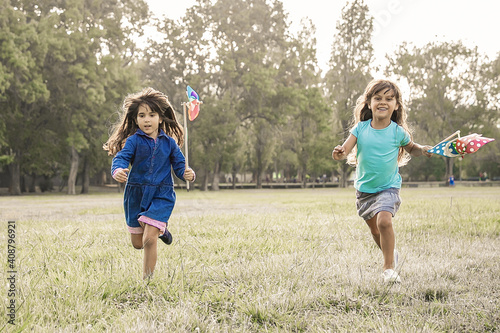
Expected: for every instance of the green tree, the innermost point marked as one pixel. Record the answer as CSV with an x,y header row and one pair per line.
x,y
58,69
447,88
305,114
349,70
230,49
258,43
90,51
181,59
22,87
487,113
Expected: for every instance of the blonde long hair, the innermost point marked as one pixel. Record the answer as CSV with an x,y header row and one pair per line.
x,y
126,126
362,112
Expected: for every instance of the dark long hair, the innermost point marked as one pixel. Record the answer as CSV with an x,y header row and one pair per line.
x,y
126,126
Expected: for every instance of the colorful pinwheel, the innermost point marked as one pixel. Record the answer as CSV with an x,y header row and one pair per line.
x,y
460,146
194,103
193,108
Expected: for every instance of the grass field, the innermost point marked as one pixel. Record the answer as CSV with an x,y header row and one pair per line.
x,y
254,261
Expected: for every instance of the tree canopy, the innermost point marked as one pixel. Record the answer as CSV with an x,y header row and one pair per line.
x,y
269,112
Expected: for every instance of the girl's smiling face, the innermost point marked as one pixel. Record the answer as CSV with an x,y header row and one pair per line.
x,y
383,104
148,121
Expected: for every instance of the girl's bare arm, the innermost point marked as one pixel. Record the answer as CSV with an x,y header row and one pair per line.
x,y
414,149
341,152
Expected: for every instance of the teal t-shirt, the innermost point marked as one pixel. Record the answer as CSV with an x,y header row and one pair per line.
x,y
377,155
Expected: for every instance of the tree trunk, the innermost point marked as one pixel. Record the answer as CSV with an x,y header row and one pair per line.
x,y
32,186
234,177
23,184
73,172
215,182
15,178
304,178
343,176
259,180
204,184
259,169
85,177
102,178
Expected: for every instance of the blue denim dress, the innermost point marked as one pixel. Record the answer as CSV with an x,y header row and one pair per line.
x,y
150,187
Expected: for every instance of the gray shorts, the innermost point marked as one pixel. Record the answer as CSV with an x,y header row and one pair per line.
x,y
369,204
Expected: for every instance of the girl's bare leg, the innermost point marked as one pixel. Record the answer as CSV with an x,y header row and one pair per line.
x,y
149,239
383,235
372,223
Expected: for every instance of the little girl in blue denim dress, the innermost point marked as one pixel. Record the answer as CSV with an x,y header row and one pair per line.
x,y
147,138
384,143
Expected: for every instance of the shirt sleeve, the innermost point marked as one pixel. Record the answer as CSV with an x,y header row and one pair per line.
x,y
177,160
355,130
125,156
403,136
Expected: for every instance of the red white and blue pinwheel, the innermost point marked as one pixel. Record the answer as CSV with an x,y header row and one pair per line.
x,y
193,109
460,146
194,103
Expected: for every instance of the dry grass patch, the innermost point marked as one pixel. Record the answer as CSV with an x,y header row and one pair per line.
x,y
258,261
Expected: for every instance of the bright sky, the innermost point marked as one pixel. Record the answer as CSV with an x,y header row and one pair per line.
x,y
475,23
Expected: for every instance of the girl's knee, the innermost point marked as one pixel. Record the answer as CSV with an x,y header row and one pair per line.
x,y
136,241
150,235
149,240
384,224
384,221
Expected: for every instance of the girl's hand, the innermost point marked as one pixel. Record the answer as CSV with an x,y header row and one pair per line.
x,y
338,153
425,151
189,175
341,152
121,175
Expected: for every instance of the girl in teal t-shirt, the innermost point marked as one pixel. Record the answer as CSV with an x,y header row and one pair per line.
x,y
379,142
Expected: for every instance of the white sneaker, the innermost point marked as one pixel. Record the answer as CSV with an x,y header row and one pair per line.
x,y
391,276
395,260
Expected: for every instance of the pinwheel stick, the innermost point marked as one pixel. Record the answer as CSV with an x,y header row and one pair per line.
x,y
186,150
451,136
